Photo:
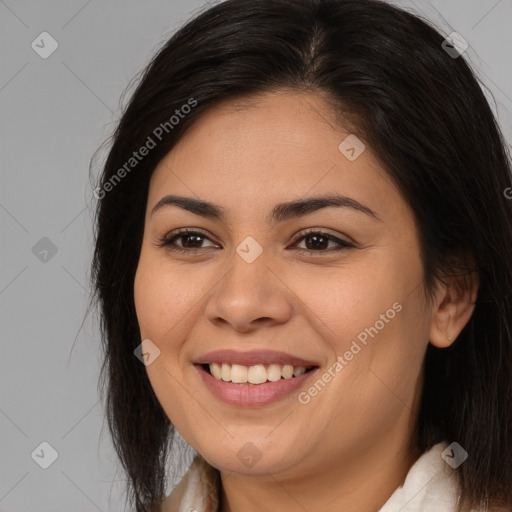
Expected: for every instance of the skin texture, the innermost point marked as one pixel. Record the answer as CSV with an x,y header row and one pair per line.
x,y
346,448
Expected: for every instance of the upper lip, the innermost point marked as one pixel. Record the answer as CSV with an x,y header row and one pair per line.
x,y
252,357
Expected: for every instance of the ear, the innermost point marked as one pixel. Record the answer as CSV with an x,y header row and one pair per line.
x,y
453,307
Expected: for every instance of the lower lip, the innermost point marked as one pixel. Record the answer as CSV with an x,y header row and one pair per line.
x,y
252,395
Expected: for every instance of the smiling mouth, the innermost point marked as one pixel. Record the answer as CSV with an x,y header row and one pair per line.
x,y
255,374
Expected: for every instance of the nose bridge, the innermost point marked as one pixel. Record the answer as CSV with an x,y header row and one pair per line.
x,y
250,266
250,261
250,277
250,290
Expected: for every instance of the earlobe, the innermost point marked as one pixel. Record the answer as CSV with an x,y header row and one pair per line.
x,y
453,310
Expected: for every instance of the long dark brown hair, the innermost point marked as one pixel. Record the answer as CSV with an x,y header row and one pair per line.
x,y
424,115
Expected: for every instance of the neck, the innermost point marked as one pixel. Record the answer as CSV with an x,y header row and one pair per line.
x,y
361,482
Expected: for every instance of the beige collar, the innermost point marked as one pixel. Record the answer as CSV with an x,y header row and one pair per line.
x,y
430,486
197,491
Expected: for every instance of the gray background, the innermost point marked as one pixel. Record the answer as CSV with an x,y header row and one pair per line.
x,y
55,113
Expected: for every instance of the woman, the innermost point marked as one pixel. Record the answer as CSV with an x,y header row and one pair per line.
x,y
304,234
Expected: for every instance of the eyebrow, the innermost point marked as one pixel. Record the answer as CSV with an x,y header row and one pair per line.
x,y
280,213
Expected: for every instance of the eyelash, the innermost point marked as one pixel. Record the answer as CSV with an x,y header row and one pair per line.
x,y
168,240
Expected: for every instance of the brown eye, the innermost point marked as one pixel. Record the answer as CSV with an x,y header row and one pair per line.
x,y
315,241
191,240
318,241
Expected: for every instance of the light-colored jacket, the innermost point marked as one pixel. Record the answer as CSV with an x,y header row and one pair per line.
x,y
430,486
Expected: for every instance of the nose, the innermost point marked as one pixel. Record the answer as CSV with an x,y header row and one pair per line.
x,y
250,296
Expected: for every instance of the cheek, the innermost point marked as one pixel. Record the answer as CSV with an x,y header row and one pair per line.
x,y
161,297
346,303
163,303
374,318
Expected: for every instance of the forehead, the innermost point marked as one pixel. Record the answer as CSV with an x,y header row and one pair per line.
x,y
258,151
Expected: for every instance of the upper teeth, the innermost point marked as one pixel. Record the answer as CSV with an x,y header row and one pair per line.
x,y
255,374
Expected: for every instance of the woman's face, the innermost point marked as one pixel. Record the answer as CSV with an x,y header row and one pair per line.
x,y
250,281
